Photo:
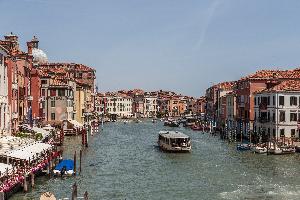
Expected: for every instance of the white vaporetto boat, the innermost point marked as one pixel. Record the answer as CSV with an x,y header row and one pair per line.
x,y
174,141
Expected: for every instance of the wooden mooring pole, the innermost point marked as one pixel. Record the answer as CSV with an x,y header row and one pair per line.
x,y
32,179
75,163
74,192
25,187
80,157
86,195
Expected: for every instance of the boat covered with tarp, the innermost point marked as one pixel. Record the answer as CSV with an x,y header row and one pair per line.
x,y
65,167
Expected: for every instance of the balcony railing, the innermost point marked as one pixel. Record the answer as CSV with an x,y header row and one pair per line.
x,y
14,116
30,98
241,104
263,106
14,86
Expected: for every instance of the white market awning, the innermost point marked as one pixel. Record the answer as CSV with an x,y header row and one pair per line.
x,y
75,123
27,152
4,168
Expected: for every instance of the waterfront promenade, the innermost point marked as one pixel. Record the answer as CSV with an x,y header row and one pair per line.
x,y
124,162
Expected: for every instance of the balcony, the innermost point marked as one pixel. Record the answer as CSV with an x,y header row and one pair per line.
x,y
241,104
263,107
42,99
14,115
14,86
29,98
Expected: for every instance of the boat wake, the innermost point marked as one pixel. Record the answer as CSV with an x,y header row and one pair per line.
x,y
272,191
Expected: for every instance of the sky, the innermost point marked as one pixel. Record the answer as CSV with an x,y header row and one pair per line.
x,y
180,45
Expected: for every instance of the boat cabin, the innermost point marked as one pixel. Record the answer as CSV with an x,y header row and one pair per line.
x,y
174,141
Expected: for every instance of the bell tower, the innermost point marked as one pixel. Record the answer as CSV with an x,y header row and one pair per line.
x,y
34,43
13,39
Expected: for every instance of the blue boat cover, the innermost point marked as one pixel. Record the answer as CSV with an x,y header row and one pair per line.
x,y
68,163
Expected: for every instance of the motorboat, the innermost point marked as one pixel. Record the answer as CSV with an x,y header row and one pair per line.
x,y
189,122
174,141
243,147
196,128
288,149
65,167
171,123
259,149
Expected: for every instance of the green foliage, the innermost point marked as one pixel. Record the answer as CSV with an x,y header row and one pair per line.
x,y
38,136
23,135
159,115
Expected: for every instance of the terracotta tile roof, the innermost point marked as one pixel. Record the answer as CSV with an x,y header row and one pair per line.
x,y
75,66
274,74
229,85
3,48
288,85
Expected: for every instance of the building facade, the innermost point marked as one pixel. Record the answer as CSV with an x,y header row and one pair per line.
x,y
120,105
150,105
4,104
277,112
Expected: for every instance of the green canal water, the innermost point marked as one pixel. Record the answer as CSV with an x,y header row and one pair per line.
x,y
124,162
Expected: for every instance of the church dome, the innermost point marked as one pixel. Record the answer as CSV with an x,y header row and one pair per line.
x,y
39,56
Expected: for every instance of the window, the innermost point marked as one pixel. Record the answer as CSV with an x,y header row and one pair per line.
x,y
44,81
52,103
293,117
61,92
274,100
43,92
274,133
52,116
268,101
242,99
281,116
281,100
282,132
293,133
1,59
255,101
52,92
293,101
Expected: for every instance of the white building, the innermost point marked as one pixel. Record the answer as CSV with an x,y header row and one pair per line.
x,y
230,114
4,107
119,104
277,111
150,106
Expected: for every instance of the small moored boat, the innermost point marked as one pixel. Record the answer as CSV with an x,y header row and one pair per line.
x,y
174,141
243,147
196,128
65,167
171,123
259,149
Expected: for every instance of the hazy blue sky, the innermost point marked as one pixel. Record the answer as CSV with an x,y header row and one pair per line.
x,y
181,45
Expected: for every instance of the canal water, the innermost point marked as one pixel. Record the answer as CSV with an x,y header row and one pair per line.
x,y
124,162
